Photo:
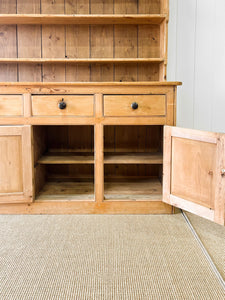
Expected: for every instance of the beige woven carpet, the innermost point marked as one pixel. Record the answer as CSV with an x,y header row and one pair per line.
x,y
213,238
102,257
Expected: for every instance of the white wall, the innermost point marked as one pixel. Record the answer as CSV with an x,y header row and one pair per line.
x,y
196,56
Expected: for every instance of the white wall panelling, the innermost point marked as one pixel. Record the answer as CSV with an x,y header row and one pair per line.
x,y
196,56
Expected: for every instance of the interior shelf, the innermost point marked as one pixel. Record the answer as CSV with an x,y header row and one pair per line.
x,y
135,189
81,60
28,19
66,190
133,158
66,158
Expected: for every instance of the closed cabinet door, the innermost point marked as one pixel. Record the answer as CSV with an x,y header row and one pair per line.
x,y
194,172
15,164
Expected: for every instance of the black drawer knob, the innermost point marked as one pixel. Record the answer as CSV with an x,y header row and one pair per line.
x,y
134,105
62,104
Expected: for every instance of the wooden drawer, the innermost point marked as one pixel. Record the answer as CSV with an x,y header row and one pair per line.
x,y
121,105
11,105
78,105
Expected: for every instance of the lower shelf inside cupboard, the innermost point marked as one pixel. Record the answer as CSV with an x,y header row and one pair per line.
x,y
66,190
116,190
135,189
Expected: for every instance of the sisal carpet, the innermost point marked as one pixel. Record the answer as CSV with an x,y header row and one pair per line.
x,y
102,257
213,238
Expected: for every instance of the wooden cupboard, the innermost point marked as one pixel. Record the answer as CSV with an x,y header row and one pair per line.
x,y
87,117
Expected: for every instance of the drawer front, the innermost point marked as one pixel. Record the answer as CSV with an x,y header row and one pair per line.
x,y
11,105
79,105
143,105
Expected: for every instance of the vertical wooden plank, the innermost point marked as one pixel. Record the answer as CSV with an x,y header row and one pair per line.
x,y
125,6
167,148
186,24
52,7
164,7
203,91
148,72
101,72
101,7
125,42
101,47
77,42
99,158
27,163
27,105
76,7
148,41
218,87
125,47
163,48
125,72
53,46
219,199
172,42
29,47
77,46
53,41
149,7
28,7
102,41
7,6
8,72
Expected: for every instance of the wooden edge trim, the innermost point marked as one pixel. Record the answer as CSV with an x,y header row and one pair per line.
x,y
219,200
99,163
27,105
27,162
192,207
166,163
197,135
11,130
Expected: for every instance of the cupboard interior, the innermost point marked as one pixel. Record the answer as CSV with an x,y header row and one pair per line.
x,y
63,162
133,162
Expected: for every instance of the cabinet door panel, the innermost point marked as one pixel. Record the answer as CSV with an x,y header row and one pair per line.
x,y
193,179
15,164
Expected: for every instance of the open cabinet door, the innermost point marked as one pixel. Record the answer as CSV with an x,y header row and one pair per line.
x,y
15,164
194,175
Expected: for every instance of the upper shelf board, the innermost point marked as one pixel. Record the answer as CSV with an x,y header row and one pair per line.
x,y
28,19
81,60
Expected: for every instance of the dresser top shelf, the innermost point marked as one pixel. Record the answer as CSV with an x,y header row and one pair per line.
x,y
97,19
88,84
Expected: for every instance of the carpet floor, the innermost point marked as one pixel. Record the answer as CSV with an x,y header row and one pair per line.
x,y
213,238
103,257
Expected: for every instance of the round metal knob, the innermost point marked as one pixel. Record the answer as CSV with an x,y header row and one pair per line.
x,y
62,104
134,105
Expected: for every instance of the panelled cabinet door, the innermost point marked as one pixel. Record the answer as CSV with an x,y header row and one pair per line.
x,y
15,164
194,175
